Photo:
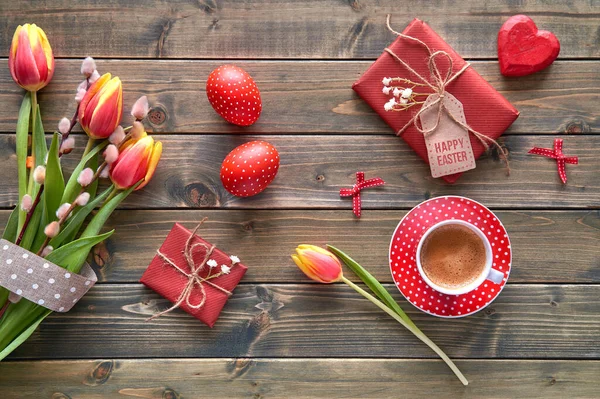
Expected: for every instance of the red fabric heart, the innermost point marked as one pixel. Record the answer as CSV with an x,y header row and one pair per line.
x,y
523,49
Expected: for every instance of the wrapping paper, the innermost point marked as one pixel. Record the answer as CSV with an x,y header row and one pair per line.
x,y
169,282
486,110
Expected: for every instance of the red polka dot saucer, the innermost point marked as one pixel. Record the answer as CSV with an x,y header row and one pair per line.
x,y
403,248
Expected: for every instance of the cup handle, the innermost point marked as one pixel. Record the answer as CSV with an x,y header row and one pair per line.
x,y
495,276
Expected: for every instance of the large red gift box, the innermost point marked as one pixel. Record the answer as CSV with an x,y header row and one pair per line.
x,y
486,110
169,282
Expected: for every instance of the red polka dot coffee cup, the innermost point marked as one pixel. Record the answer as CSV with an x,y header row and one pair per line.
x,y
487,273
404,248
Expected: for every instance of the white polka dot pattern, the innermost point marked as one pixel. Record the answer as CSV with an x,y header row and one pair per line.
x,y
234,95
403,256
40,281
249,168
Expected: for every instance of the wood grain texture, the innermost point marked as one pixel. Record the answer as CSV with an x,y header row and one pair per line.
x,y
285,28
296,378
306,97
314,168
552,247
314,320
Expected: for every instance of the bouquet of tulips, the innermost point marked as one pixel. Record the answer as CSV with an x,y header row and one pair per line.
x,y
49,219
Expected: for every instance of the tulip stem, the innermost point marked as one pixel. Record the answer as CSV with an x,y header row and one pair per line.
x,y
112,194
89,146
34,106
418,333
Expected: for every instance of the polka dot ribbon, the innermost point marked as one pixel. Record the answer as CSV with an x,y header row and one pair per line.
x,y
29,276
557,154
354,192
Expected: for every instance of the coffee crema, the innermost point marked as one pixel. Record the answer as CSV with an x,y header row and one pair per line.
x,y
453,256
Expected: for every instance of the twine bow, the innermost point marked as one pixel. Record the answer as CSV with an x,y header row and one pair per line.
x,y
438,85
354,192
557,154
194,278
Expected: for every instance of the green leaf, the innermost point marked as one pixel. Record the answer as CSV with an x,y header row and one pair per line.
x,y
21,149
103,214
40,237
72,256
54,185
23,336
39,149
10,230
374,285
72,188
32,229
75,221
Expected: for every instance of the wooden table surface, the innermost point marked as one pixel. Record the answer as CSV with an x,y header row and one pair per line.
x,y
281,336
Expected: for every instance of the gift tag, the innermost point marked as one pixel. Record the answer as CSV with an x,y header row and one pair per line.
x,y
448,146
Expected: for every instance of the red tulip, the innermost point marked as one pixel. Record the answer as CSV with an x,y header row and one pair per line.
x,y
318,263
30,60
101,108
137,160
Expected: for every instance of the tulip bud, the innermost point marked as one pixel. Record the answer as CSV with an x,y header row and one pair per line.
x,y
318,263
62,210
80,94
67,145
64,126
52,229
137,130
137,160
26,203
47,250
39,174
94,76
111,154
101,108
82,199
140,108
117,136
85,177
30,59
88,66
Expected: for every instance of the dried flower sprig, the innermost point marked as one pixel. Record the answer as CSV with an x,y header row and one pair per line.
x,y
403,90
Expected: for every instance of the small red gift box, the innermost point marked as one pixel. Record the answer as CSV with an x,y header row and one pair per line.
x,y
170,274
486,110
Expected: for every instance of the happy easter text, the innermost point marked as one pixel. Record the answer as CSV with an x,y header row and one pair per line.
x,y
454,147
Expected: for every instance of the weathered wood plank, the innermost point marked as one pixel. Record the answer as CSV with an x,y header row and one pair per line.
x,y
314,168
554,247
307,96
313,320
285,28
296,378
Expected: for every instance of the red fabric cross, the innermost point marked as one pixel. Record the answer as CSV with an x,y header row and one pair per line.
x,y
354,192
557,154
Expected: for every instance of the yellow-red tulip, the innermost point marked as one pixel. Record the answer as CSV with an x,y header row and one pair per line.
x,y
30,60
101,108
318,263
137,160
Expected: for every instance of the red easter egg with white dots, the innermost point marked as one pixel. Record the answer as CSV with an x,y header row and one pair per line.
x,y
403,255
234,95
249,168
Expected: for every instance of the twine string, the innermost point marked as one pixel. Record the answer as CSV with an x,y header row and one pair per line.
x,y
194,277
439,84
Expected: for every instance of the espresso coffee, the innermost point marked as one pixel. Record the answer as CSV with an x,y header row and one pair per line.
x,y
453,256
